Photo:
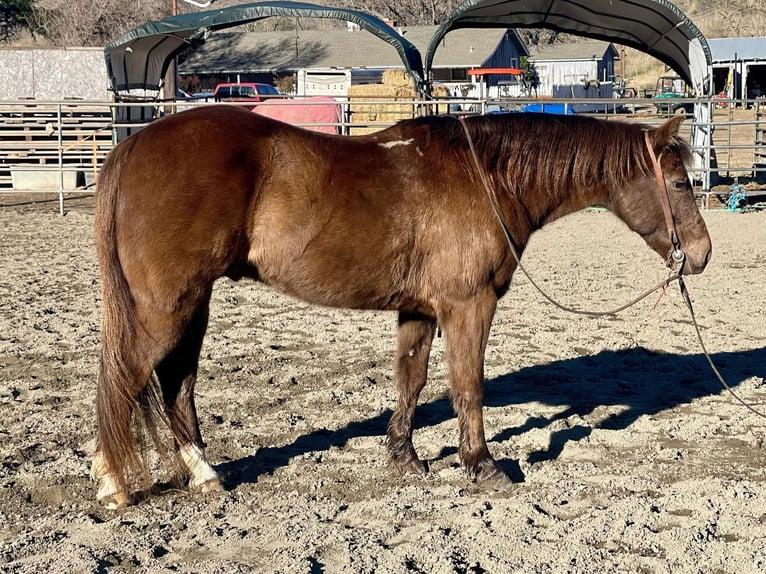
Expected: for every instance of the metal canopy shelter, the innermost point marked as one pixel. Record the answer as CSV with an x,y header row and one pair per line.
x,y
139,59
656,27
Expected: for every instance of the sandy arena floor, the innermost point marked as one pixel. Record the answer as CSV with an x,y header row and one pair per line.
x,y
626,453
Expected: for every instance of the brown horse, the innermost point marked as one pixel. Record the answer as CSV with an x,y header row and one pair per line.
x,y
399,220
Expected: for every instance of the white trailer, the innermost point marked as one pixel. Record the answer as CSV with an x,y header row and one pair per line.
x,y
334,81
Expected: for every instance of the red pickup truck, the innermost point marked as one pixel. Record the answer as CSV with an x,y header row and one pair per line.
x,y
244,92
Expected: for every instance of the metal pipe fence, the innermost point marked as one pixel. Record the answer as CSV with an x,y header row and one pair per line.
x,y
59,147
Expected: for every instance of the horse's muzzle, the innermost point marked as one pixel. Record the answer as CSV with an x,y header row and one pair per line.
x,y
694,262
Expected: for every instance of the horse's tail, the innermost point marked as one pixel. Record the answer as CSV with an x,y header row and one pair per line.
x,y
120,388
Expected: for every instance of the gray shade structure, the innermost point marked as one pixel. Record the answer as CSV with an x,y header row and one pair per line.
x,y
139,59
656,27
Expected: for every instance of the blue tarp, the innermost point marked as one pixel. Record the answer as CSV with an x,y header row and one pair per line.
x,y
556,109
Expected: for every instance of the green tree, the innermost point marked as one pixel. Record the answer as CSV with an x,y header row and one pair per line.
x,y
15,15
530,78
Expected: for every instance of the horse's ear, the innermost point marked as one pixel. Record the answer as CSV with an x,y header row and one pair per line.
x,y
664,135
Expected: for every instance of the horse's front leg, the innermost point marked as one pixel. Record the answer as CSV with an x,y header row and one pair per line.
x,y
415,335
466,327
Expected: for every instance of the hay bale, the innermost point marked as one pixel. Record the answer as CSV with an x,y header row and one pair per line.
x,y
393,100
379,103
392,77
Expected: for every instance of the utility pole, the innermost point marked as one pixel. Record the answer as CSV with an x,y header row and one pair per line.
x,y
622,65
171,75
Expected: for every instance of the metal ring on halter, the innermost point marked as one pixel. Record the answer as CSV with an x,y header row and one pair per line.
x,y
676,260
676,254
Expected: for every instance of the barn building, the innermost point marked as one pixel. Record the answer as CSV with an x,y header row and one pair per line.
x,y
574,70
264,56
583,69
739,67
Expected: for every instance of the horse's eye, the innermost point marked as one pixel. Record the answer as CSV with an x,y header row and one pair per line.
x,y
680,185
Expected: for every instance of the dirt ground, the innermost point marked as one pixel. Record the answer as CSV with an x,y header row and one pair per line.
x,y
627,455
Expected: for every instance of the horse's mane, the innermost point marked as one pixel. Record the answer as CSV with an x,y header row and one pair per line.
x,y
569,153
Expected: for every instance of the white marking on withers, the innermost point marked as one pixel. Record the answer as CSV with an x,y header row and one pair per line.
x,y
200,471
389,145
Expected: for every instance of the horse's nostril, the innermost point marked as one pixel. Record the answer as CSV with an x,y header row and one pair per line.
x,y
699,265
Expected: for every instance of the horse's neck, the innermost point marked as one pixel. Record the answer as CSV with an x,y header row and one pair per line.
x,y
545,205
543,195
576,200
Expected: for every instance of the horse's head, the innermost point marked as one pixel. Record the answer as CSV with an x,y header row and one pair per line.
x,y
640,203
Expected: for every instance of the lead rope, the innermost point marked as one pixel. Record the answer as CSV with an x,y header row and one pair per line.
x,y
676,255
688,301
679,257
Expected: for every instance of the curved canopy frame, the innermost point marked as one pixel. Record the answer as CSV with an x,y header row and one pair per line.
x,y
139,59
656,27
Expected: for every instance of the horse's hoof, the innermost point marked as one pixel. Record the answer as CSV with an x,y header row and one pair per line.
x,y
406,459
202,477
114,501
407,462
209,486
110,494
411,466
494,479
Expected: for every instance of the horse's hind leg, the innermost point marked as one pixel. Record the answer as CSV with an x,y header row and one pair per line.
x,y
466,327
124,375
177,374
133,345
415,335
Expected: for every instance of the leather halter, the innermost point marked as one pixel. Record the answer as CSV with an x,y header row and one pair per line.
x,y
676,255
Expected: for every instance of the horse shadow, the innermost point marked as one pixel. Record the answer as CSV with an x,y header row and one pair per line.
x,y
644,382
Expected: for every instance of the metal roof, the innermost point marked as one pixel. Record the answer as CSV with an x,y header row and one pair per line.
x,y
242,52
731,49
585,50
140,58
656,27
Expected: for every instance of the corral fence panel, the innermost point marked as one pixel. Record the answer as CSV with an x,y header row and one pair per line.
x,y
58,147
